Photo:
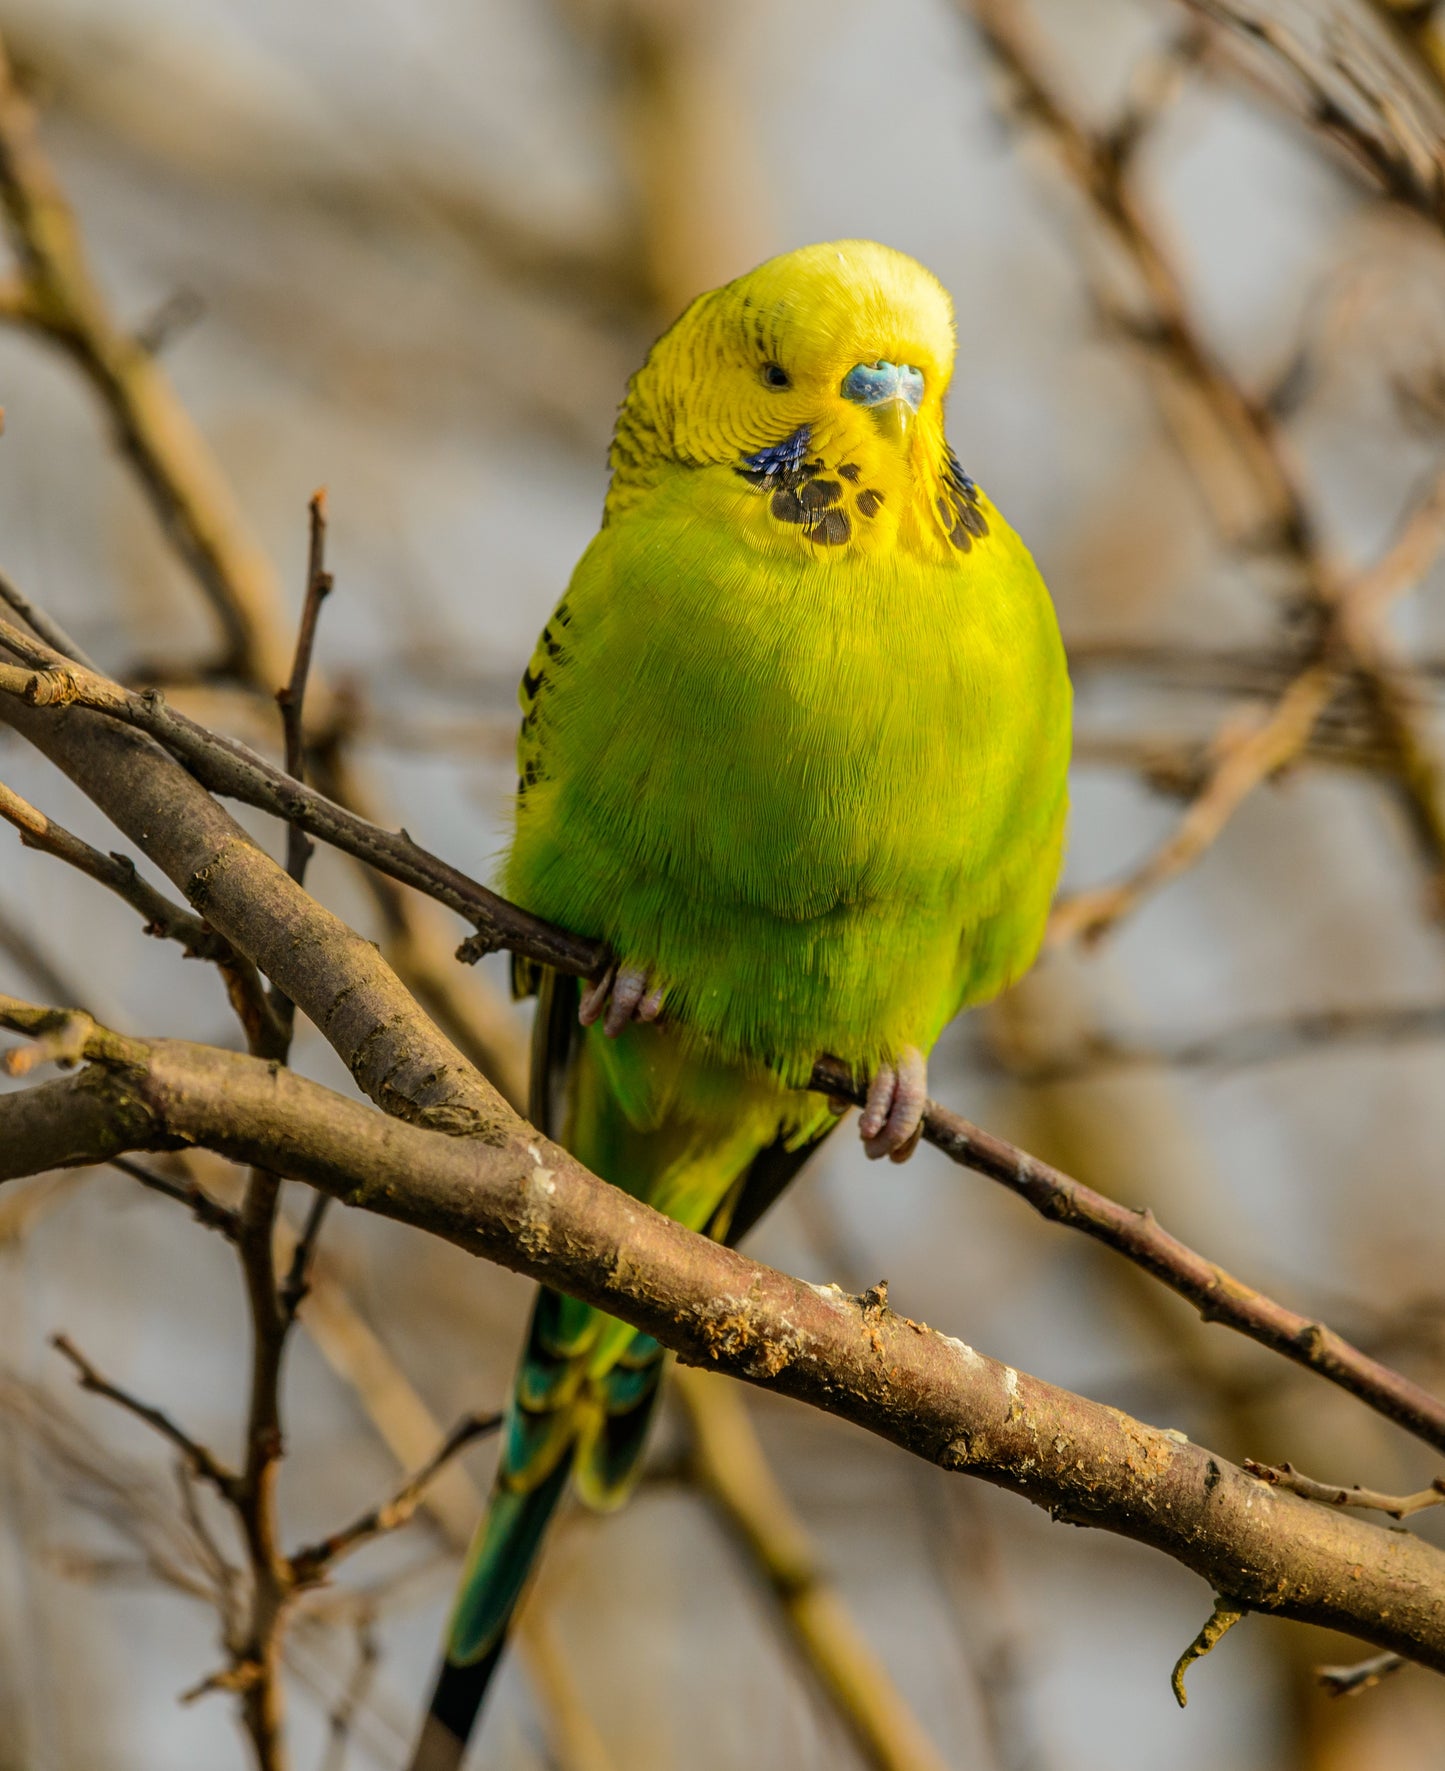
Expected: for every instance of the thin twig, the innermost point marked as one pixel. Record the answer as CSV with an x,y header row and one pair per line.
x,y
229,768
299,847
1349,1681
316,1562
260,1646
194,1197
1398,1506
1216,1294
117,873
297,1281
202,1462
292,697
163,917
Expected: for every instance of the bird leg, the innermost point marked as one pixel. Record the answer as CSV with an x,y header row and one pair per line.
x,y
620,995
893,1114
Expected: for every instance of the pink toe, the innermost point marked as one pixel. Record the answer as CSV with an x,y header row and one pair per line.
x,y
890,1126
627,992
594,998
909,1100
879,1103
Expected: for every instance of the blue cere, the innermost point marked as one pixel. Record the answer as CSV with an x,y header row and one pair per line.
x,y
874,384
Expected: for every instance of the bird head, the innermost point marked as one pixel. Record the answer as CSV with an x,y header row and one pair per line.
x,y
843,349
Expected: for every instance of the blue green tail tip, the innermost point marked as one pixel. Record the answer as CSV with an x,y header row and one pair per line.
x,y
497,1568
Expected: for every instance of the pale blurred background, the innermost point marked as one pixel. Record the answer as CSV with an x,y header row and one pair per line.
x,y
410,252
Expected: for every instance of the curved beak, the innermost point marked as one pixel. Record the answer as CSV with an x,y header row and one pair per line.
x,y
892,393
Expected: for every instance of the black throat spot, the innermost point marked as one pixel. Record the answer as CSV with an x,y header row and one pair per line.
x,y
804,492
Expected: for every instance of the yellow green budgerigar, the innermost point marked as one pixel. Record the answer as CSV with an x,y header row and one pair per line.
x,y
794,745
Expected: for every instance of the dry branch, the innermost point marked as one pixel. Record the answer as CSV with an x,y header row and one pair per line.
x,y
316,1561
334,976
1216,1294
199,1460
728,1466
117,874
524,1202
291,697
1330,1494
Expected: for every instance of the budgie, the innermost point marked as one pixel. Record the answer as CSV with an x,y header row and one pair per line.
x,y
794,745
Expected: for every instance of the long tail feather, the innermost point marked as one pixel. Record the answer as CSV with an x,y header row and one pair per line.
x,y
588,1385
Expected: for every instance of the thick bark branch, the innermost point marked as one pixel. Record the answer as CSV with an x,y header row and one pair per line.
x,y
334,976
519,1200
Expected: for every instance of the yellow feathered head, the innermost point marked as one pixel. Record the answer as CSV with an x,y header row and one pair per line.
x,y
819,378
813,337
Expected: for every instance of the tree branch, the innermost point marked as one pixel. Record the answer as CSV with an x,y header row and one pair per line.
x,y
189,1193
117,874
1216,1294
524,1202
1330,1494
292,697
729,1468
334,976
315,1562
199,1460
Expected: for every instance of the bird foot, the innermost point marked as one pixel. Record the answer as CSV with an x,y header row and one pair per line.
x,y
619,996
892,1120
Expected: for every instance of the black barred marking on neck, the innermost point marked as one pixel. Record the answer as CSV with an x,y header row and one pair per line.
x,y
958,507
800,490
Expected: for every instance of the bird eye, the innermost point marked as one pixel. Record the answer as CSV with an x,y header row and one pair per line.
x,y
775,375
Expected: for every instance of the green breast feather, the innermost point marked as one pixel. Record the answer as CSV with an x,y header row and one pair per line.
x,y
823,803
